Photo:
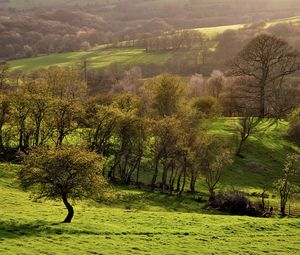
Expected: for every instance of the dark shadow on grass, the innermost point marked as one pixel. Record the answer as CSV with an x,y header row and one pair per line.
x,y
13,229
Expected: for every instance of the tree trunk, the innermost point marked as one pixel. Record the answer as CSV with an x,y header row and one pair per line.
x,y
155,175
178,182
262,101
184,180
282,207
69,217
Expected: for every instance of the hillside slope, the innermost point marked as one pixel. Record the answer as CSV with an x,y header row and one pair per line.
x,y
32,227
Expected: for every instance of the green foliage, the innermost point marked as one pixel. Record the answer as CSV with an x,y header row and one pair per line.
x,y
168,94
66,170
287,185
63,173
207,107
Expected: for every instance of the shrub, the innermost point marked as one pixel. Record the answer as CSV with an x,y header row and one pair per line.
x,y
235,202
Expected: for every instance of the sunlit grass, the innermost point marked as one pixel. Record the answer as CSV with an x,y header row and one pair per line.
x,y
97,59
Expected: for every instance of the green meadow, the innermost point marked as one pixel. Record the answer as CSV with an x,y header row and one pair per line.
x,y
97,59
136,221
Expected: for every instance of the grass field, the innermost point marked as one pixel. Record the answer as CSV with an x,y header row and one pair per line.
x,y
32,227
211,32
97,59
139,222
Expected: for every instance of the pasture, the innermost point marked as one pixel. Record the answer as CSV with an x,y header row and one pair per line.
x,y
33,227
97,59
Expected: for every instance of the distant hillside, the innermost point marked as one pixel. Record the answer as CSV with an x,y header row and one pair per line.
x,y
104,55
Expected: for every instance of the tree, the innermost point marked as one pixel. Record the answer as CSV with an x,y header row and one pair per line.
x,y
216,83
166,134
64,173
168,94
65,116
211,158
4,68
101,123
267,60
20,117
207,107
286,186
294,127
4,115
247,126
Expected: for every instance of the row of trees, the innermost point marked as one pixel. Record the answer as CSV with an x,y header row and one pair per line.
x,y
157,129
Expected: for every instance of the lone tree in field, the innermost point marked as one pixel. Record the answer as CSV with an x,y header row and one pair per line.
x,y
287,186
247,126
267,60
64,173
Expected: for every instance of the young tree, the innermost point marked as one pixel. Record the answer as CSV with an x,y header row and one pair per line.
x,y
247,126
267,60
287,186
65,173
211,158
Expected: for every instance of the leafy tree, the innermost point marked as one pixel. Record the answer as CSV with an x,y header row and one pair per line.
x,y
101,123
287,186
65,117
4,68
4,115
64,173
168,94
166,135
211,158
207,107
129,144
20,111
267,60
64,83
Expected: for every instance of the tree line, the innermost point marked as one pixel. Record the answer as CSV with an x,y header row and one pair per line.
x,y
151,130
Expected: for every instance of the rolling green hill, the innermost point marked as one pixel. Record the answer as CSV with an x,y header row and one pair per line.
x,y
138,222
101,57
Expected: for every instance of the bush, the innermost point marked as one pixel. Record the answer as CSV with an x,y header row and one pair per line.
x,y
235,202
207,107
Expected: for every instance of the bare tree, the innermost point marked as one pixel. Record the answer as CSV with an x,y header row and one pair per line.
x,y
267,60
